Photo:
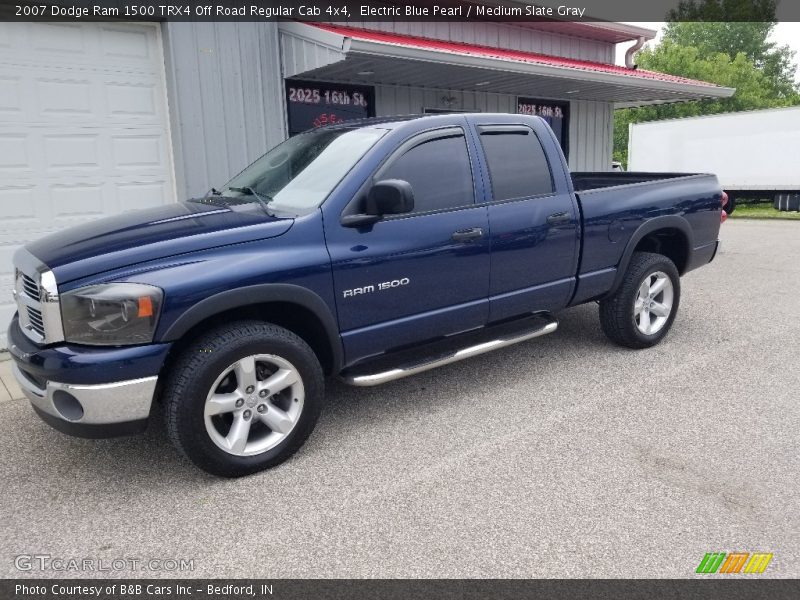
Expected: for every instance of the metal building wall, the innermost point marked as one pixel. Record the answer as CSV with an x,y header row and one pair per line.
x,y
227,106
590,131
226,98
591,123
591,135
300,55
500,35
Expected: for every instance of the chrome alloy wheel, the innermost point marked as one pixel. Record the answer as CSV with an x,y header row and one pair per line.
x,y
254,404
653,303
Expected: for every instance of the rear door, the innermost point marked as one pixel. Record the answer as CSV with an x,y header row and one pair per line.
x,y
534,223
417,276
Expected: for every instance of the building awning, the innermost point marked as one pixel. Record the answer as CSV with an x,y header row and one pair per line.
x,y
345,54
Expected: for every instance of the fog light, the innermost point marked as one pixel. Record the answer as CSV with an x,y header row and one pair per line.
x,y
67,405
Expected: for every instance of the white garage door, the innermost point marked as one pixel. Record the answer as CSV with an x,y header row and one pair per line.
x,y
83,130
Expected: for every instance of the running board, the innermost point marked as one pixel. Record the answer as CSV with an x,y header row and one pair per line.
x,y
359,377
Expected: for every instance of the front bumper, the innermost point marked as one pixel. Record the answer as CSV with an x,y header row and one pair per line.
x,y
87,391
103,410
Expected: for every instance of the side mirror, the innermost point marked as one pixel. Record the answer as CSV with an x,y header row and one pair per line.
x,y
390,197
387,197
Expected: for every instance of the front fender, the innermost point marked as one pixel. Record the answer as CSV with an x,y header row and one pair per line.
x,y
260,294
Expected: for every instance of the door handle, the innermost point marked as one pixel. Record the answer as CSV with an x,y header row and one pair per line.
x,y
559,217
467,235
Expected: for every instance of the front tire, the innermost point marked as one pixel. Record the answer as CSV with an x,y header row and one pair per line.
x,y
243,398
640,313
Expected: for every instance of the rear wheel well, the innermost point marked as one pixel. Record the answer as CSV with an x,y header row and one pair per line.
x,y
296,318
671,243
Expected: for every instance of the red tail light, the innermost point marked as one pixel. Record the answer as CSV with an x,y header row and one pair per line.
x,y
724,202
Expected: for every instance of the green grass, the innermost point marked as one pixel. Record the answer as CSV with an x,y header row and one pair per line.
x,y
762,211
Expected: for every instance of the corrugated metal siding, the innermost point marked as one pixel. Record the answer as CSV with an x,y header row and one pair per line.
x,y
591,135
591,125
500,35
299,55
393,100
226,98
227,104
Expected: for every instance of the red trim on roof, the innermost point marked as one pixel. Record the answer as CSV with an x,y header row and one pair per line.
x,y
502,54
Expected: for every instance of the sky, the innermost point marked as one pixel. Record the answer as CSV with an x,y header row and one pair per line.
x,y
785,33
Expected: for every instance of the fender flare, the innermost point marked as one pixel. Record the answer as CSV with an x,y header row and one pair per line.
x,y
260,294
646,228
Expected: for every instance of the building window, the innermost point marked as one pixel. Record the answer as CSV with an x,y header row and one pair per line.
x,y
312,104
518,167
555,113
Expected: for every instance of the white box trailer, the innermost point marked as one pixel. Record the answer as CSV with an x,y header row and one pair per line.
x,y
755,154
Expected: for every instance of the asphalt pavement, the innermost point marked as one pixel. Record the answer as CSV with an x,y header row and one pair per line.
x,y
564,456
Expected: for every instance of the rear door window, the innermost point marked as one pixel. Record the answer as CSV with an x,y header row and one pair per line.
x,y
518,166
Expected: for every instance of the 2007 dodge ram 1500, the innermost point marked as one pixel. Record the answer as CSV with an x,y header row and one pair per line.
x,y
369,250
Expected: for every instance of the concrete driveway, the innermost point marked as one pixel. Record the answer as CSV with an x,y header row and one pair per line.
x,y
561,457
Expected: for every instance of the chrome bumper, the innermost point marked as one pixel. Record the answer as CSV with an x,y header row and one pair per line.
x,y
102,404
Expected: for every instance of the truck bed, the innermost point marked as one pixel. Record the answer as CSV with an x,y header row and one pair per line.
x,y
591,180
615,205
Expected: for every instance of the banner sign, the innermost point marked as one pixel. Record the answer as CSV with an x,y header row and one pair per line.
x,y
555,113
312,104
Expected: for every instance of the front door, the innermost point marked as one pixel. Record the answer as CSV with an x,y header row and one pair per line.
x,y
421,275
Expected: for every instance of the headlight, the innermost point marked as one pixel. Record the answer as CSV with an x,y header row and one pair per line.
x,y
111,314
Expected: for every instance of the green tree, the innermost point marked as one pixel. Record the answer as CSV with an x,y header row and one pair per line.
x,y
723,42
751,83
733,26
752,88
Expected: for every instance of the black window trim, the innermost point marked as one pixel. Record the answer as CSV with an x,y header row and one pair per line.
x,y
498,129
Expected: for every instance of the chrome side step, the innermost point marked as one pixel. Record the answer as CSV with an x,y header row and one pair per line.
x,y
366,380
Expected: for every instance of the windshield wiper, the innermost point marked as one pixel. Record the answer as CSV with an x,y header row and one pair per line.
x,y
249,191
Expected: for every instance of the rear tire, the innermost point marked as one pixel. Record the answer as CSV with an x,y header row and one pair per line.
x,y
640,313
243,398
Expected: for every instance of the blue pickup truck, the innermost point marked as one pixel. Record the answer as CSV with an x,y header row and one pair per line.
x,y
370,251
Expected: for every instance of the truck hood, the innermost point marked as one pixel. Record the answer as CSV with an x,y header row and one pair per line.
x,y
144,235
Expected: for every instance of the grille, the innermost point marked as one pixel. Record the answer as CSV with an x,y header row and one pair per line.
x,y
30,287
36,320
36,292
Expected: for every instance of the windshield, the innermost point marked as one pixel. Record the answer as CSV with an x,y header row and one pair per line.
x,y
297,175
